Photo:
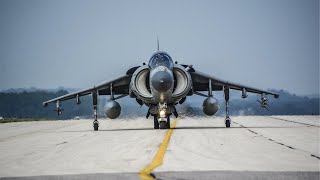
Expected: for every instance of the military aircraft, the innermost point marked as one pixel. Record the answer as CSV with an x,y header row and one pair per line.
x,y
160,85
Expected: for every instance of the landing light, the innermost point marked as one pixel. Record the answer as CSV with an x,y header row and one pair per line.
x,y
162,113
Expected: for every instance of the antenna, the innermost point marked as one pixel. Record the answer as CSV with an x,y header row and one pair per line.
x,y
158,43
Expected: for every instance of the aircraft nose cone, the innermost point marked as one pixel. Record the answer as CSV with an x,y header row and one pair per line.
x,y
162,81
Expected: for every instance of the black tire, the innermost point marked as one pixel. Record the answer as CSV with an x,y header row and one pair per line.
x,y
163,125
228,123
95,126
168,122
155,123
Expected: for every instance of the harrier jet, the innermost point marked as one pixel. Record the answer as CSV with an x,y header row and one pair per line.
x,y
160,85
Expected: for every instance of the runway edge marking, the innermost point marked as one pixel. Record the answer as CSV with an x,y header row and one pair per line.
x,y
157,161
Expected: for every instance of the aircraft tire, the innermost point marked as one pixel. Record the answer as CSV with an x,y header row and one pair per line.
x,y
228,123
163,125
95,126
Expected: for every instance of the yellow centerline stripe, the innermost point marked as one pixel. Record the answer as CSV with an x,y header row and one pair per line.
x,y
145,173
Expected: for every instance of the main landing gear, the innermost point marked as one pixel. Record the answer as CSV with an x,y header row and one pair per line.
x,y
226,97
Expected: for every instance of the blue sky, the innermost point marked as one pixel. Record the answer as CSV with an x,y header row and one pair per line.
x,y
261,43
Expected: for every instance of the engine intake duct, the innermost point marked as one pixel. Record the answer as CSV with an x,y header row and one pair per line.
x,y
182,84
140,82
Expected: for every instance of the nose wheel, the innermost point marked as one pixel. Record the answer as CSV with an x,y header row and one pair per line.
x,y
161,124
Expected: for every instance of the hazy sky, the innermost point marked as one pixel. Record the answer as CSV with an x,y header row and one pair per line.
x,y
261,43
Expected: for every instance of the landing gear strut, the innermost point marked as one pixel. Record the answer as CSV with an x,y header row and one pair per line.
x,y
155,122
95,103
226,97
168,122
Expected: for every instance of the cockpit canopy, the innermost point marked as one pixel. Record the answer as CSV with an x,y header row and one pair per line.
x,y
160,59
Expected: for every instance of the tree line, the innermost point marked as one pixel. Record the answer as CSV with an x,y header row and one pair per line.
x,y
28,104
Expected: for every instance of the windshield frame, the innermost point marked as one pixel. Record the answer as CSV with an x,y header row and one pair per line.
x,y
160,59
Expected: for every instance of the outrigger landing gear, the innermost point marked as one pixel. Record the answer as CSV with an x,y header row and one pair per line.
x,y
228,122
95,125
95,115
226,97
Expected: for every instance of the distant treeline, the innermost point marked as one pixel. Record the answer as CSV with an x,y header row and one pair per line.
x,y
286,104
28,104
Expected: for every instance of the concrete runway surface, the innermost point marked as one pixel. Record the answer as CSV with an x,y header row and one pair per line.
x,y
256,147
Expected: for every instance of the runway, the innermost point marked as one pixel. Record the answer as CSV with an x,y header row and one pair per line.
x,y
256,147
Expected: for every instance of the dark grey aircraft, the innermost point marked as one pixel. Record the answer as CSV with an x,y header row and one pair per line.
x,y
160,85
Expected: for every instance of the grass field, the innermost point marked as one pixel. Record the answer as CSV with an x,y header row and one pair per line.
x,y
9,120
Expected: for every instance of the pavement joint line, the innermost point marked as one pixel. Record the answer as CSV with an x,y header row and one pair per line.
x,y
146,173
293,121
312,155
272,140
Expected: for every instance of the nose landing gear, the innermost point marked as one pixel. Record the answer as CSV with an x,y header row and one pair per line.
x,y
161,123
155,122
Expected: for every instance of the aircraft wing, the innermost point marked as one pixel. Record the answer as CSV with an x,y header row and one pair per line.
x,y
201,83
119,85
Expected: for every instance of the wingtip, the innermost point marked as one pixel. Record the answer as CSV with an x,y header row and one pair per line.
x,y
45,104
